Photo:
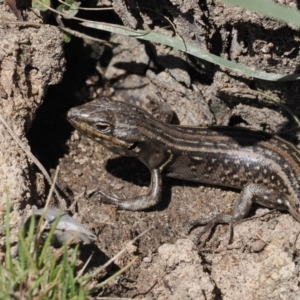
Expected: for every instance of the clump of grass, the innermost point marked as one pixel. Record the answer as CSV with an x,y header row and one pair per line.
x,y
39,271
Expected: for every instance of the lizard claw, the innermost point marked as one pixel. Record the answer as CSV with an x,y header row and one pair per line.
x,y
114,199
114,195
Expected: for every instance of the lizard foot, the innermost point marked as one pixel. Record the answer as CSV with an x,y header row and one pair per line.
x,y
210,223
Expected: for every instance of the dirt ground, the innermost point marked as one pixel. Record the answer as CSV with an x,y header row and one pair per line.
x,y
262,261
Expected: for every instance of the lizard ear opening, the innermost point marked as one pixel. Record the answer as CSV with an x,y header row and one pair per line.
x,y
133,146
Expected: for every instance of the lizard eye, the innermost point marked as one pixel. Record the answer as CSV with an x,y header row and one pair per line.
x,y
103,127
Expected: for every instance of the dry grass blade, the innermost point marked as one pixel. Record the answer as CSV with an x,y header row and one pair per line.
x,y
34,159
87,8
84,36
121,252
117,274
25,23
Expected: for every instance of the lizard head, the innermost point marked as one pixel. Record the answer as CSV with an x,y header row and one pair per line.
x,y
113,124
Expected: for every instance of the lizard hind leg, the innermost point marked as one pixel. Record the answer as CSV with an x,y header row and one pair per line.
x,y
252,193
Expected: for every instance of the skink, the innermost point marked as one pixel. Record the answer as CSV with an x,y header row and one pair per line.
x,y
265,167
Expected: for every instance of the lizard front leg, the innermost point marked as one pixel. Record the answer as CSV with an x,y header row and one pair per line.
x,y
139,202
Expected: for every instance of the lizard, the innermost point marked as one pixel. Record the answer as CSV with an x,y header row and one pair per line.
x,y
265,167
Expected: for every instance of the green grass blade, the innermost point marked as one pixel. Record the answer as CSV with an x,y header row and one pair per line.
x,y
47,242
26,258
270,9
178,43
7,232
